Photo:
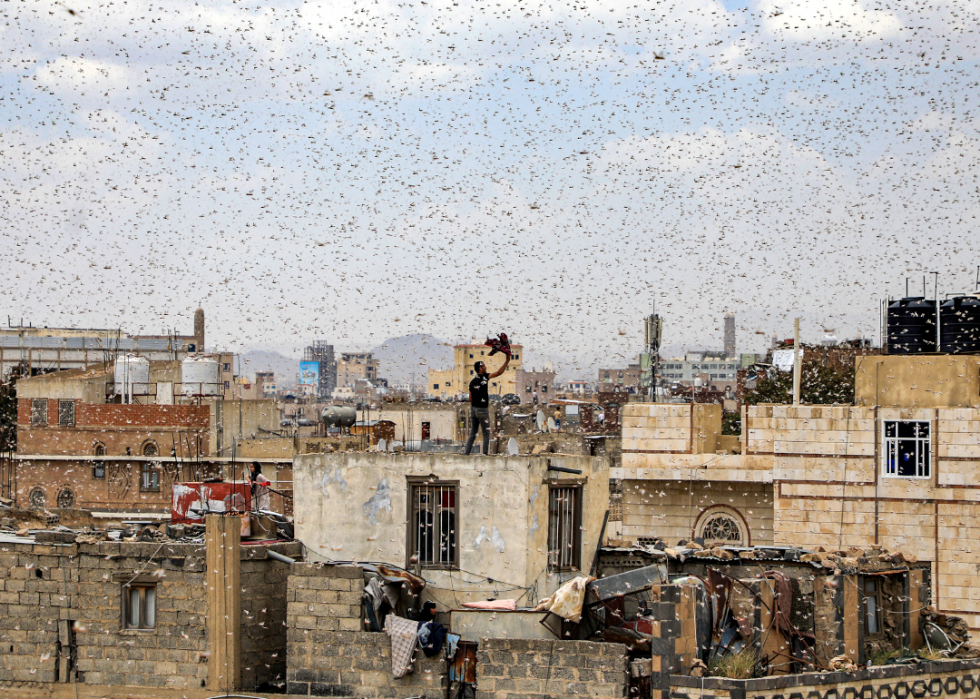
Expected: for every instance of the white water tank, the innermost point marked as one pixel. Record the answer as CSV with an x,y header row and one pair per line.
x,y
131,375
199,376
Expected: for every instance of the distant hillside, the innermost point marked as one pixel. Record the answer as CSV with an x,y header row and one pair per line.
x,y
284,367
400,357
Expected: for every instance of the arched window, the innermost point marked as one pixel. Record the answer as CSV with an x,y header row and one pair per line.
x,y
36,499
66,499
150,449
722,526
99,449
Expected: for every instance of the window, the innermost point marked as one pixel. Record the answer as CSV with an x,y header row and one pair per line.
x,y
564,528
39,411
426,430
906,449
139,606
98,470
544,389
432,526
721,526
150,449
149,477
36,499
66,413
872,607
227,384
66,499
226,367
448,384
435,387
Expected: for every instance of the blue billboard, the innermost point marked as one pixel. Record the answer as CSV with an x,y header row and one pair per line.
x,y
309,373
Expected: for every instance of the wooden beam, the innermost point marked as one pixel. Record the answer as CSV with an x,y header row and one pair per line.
x,y
223,536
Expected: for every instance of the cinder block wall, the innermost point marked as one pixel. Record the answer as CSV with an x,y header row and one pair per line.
x,y
529,668
264,617
174,654
61,614
36,598
329,654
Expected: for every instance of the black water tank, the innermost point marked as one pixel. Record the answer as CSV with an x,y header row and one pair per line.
x,y
959,330
912,326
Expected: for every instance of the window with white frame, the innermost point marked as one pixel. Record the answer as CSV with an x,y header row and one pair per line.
x,y
906,449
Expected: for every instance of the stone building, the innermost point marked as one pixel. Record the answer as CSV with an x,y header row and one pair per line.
x,y
535,387
898,469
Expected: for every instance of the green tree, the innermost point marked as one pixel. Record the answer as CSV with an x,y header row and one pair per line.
x,y
819,385
8,411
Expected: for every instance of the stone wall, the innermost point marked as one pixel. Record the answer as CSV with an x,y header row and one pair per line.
x,y
263,620
174,654
35,611
328,652
61,614
531,668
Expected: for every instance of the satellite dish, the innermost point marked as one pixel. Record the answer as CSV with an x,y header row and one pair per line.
x,y
512,448
382,445
551,424
540,420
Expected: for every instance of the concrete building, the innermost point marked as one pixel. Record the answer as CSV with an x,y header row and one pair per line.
x,y
898,469
627,379
514,519
456,381
355,366
712,370
43,350
322,355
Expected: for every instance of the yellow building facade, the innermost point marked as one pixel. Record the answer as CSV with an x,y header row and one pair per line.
x,y
449,382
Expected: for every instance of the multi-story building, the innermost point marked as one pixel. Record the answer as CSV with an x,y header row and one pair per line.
x,y
712,370
900,469
450,382
355,366
534,386
627,379
579,386
102,438
322,355
42,350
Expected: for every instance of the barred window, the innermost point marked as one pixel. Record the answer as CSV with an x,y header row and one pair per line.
x,y
432,528
907,449
39,411
66,413
565,528
150,477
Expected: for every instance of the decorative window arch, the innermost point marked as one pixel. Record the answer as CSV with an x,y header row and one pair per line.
x,y
66,498
150,448
723,525
99,449
37,498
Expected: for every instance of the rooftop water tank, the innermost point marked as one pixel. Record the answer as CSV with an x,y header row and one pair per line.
x,y
912,326
131,375
199,377
959,329
339,416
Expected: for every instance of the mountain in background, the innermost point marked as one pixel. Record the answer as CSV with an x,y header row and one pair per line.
x,y
284,367
400,357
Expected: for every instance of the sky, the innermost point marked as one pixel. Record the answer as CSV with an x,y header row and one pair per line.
x,y
357,170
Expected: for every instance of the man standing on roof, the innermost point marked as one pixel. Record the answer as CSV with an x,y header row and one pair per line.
x,y
480,404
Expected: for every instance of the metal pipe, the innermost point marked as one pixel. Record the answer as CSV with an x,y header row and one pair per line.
x,y
576,471
279,557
